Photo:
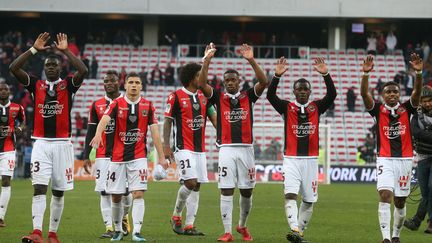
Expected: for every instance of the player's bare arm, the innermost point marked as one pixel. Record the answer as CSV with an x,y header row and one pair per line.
x,y
417,64
321,67
166,136
247,53
213,120
16,66
97,140
202,79
368,65
158,145
62,45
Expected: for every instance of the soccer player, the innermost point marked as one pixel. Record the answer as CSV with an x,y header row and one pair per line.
x,y
103,154
133,115
234,136
9,114
421,127
301,126
52,156
394,145
188,109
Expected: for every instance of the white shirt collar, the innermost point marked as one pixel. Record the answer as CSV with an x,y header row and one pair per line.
x,y
233,96
3,107
7,104
132,102
189,92
392,109
51,84
302,107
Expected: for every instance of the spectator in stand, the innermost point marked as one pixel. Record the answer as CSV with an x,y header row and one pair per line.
x,y
409,82
372,44
351,97
426,50
169,75
246,85
216,84
79,124
156,76
427,71
122,78
391,42
73,47
174,45
94,68
381,43
143,76
418,50
270,49
257,150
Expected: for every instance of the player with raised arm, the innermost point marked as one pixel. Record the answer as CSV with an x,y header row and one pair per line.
x,y
234,137
301,126
133,116
52,156
12,123
394,145
188,109
103,153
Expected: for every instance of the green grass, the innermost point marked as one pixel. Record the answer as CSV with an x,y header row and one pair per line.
x,y
344,213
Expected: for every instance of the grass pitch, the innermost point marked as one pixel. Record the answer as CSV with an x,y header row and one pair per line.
x,y
344,213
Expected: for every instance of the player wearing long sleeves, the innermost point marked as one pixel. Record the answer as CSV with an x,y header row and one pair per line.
x,y
301,123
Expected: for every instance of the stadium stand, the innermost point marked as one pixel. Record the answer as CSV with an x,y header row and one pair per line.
x,y
349,128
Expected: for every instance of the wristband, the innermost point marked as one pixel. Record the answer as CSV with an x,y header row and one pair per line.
x,y
325,74
366,74
275,76
33,50
419,72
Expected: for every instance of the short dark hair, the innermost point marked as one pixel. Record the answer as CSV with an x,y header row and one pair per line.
x,y
188,72
133,75
388,84
232,71
112,72
54,56
302,80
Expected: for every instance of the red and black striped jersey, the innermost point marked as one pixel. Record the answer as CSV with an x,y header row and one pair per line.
x,y
9,114
393,129
189,112
234,116
52,107
132,120
301,122
97,110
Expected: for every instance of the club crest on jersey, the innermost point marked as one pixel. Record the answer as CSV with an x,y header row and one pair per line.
x,y
401,109
62,86
4,119
311,108
14,114
144,112
132,118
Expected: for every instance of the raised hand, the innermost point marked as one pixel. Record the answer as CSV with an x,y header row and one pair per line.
x,y
281,66
368,64
61,43
209,51
416,62
246,51
40,42
320,66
